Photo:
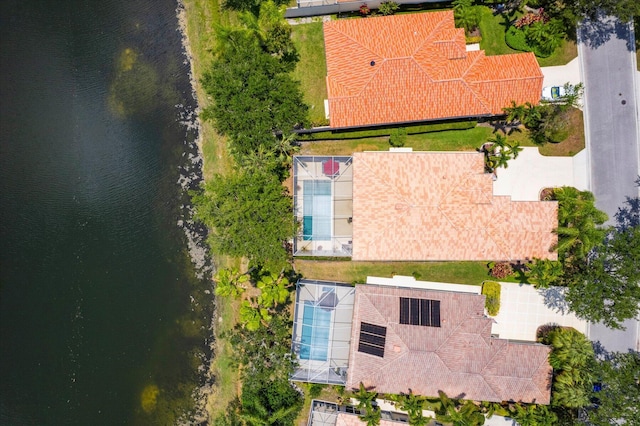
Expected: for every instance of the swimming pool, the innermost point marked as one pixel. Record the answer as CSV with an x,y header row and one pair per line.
x,y
316,322
316,223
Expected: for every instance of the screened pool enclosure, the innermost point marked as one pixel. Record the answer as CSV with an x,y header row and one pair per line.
x,y
322,331
323,203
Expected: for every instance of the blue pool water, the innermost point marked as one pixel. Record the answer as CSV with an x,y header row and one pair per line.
x,y
316,224
316,323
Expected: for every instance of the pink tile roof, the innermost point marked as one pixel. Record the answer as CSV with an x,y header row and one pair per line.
x,y
440,206
422,71
460,357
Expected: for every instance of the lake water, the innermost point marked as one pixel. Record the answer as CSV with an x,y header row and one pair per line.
x,y
103,319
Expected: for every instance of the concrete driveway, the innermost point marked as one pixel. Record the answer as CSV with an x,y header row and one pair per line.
x,y
523,309
528,174
558,76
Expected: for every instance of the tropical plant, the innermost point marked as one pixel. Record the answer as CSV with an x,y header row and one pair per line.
x,y
578,221
371,415
533,415
414,405
364,10
230,282
516,113
466,15
498,151
364,396
573,359
466,414
274,290
388,8
252,316
543,273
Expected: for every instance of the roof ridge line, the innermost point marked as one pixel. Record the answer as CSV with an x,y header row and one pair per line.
x,y
476,95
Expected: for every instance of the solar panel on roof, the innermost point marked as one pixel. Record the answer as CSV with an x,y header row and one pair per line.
x,y
414,311
372,339
435,313
425,312
404,310
373,329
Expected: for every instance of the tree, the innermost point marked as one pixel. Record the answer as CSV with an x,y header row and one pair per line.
x,y
248,215
414,405
467,414
543,273
533,415
578,223
466,15
498,151
269,402
515,114
607,287
619,398
573,360
364,396
255,97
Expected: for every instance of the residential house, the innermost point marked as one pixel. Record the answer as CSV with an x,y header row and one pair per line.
x,y
401,206
416,67
428,338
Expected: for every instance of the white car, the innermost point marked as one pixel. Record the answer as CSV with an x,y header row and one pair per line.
x,y
553,93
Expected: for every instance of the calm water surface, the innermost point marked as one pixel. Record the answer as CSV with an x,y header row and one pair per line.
x,y
97,323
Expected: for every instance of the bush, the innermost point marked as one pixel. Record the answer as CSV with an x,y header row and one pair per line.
x,y
491,290
500,270
516,39
473,39
315,389
398,137
388,8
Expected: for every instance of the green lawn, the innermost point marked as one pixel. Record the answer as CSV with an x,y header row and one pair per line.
x,y
473,273
450,140
311,71
493,29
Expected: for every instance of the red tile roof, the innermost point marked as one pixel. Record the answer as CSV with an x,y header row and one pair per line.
x,y
460,357
421,71
440,206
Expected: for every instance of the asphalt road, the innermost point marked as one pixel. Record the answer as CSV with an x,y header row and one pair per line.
x,y
607,54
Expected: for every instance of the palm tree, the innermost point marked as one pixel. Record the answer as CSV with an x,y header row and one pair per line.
x,y
371,416
533,415
571,396
469,414
515,113
365,397
466,15
285,147
543,272
413,404
570,348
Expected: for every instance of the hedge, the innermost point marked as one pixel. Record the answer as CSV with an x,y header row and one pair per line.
x,y
517,40
491,290
411,130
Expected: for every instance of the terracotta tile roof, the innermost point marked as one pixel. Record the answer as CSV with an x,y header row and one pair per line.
x,y
440,206
422,71
460,357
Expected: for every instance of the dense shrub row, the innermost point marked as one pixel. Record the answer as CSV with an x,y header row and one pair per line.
x,y
387,131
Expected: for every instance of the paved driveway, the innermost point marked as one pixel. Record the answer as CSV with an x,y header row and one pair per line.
x,y
523,309
528,174
559,75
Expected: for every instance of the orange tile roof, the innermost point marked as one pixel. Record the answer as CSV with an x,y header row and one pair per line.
x,y
440,206
422,71
460,357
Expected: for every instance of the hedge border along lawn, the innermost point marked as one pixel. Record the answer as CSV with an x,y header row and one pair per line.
x,y
491,290
386,131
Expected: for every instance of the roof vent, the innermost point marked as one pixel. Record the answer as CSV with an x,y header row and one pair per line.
x,y
372,63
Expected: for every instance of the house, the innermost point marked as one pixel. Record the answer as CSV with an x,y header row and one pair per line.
x,y
422,338
415,206
415,67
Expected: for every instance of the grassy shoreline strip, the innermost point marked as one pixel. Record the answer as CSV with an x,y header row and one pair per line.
x,y
200,19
